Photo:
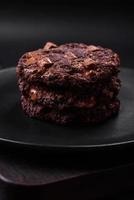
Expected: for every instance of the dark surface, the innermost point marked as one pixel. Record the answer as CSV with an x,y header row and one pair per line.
x,y
15,127
28,26
39,177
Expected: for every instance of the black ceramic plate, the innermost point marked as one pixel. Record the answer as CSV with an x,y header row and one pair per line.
x,y
16,128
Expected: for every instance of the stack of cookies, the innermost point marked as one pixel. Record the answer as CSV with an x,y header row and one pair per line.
x,y
69,83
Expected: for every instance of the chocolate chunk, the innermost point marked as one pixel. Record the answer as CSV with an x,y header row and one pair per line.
x,y
49,45
45,62
33,94
93,48
88,62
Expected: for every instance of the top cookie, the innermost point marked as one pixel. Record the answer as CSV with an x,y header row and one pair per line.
x,y
68,65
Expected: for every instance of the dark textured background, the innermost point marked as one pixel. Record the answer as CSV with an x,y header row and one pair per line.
x,y
27,25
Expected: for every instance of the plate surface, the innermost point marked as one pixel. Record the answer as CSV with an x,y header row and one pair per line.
x,y
16,128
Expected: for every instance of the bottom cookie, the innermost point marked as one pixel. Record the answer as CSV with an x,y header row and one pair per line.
x,y
71,116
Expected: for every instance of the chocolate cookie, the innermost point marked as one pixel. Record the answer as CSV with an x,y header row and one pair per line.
x,y
69,83
69,66
92,115
65,99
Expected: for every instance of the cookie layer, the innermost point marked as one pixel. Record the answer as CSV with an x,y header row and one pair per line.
x,y
70,65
